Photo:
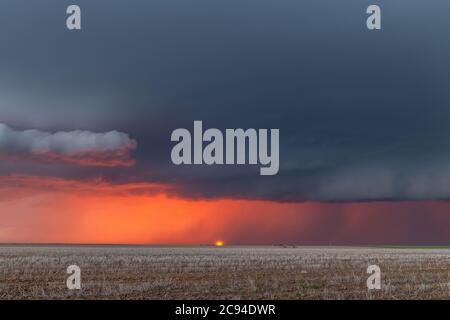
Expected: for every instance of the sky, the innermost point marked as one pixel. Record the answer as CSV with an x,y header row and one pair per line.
x,y
86,118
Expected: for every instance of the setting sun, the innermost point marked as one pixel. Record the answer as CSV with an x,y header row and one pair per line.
x,y
219,243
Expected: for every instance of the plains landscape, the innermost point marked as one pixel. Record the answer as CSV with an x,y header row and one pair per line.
x,y
204,272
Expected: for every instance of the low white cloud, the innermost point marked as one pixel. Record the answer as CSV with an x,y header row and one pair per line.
x,y
77,147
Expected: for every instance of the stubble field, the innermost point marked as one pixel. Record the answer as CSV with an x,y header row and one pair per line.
x,y
128,272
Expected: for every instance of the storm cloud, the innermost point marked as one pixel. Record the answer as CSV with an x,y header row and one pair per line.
x,y
363,116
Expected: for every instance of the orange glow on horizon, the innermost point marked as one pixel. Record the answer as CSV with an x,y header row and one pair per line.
x,y
53,210
37,209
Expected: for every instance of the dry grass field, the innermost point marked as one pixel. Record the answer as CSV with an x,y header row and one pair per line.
x,y
122,272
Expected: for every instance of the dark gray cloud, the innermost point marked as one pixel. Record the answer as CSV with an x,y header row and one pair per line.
x,y
362,115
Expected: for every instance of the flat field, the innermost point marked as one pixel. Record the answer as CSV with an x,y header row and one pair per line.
x,y
133,272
